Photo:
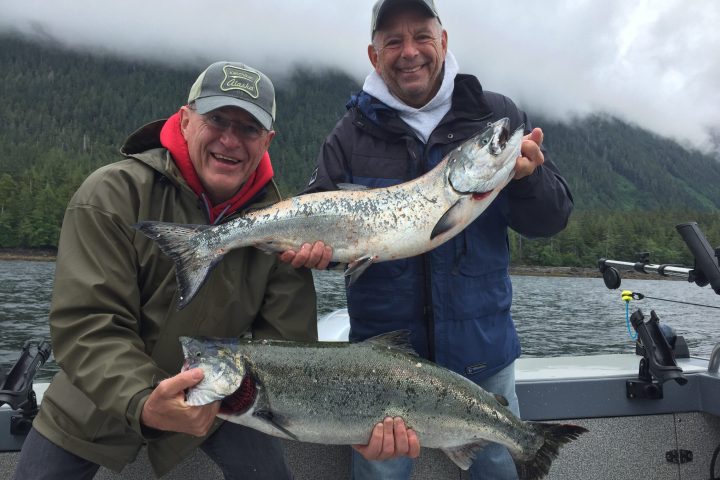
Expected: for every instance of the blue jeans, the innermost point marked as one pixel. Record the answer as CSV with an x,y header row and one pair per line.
x,y
491,463
240,452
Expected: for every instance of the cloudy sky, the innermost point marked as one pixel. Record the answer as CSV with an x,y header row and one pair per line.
x,y
655,63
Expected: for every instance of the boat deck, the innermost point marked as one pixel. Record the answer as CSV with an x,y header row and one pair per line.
x,y
628,438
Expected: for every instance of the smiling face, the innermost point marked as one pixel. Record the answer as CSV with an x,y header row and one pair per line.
x,y
226,146
408,52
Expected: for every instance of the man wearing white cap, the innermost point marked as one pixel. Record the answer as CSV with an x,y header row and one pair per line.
x,y
414,108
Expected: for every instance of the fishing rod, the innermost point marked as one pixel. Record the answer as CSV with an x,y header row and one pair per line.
x,y
658,344
706,270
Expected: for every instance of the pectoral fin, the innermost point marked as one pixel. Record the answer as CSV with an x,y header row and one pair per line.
x,y
449,220
357,267
464,455
273,420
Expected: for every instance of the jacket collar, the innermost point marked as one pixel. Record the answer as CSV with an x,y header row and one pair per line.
x,y
468,104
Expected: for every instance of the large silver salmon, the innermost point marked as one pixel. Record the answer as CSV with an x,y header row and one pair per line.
x,y
363,226
335,392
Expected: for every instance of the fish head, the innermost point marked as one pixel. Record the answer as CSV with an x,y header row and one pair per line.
x,y
485,163
221,362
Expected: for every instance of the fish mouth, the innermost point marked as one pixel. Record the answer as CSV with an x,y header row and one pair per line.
x,y
480,195
499,139
501,146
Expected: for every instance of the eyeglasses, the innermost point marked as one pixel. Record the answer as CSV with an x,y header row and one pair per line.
x,y
219,122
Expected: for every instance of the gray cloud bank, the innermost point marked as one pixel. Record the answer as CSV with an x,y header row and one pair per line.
x,y
653,63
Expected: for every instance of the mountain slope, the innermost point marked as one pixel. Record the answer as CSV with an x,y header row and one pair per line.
x,y
65,113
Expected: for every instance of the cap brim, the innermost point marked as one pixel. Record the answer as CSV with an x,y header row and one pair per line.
x,y
208,104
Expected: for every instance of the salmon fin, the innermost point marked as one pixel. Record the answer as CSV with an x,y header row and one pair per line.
x,y
450,219
184,245
357,267
556,435
464,455
273,420
351,187
501,400
397,340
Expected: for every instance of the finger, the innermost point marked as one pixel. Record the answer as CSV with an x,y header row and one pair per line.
x,y
536,136
372,450
326,258
287,256
316,254
413,444
529,149
302,256
388,444
532,152
523,168
401,436
177,384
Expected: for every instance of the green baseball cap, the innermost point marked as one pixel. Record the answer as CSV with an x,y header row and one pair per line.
x,y
382,6
233,84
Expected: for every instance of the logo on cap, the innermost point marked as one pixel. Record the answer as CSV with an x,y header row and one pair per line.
x,y
240,79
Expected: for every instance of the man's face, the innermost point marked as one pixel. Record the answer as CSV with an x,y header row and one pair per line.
x,y
408,52
225,147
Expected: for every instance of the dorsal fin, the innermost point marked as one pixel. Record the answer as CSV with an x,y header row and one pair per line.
x,y
398,340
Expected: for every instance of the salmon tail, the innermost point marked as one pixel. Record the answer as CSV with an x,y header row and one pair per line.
x,y
186,246
555,435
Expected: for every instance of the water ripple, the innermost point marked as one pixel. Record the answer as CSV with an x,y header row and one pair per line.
x,y
553,315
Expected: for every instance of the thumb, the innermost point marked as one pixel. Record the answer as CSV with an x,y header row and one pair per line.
x,y
183,380
536,136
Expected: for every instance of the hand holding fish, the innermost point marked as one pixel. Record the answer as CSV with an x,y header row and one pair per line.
x,y
390,439
334,392
317,255
531,156
166,409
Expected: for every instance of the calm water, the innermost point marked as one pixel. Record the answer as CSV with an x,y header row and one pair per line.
x,y
555,316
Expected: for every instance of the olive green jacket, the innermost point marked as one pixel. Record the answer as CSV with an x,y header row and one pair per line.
x,y
113,319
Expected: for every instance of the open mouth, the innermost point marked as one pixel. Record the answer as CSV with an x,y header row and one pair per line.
x,y
224,159
409,70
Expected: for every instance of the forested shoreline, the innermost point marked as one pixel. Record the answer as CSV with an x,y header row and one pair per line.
x,y
67,113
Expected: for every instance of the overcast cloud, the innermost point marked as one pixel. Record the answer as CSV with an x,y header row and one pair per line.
x,y
654,63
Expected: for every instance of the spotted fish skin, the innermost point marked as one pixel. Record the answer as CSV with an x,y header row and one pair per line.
x,y
363,226
335,392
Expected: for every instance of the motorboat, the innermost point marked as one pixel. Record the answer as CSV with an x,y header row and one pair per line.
x,y
654,414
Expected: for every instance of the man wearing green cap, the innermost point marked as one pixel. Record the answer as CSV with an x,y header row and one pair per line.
x,y
113,318
414,108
